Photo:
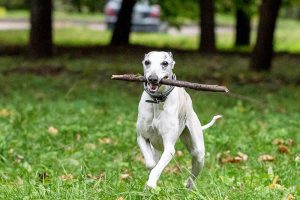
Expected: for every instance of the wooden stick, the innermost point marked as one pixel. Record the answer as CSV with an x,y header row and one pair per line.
x,y
177,83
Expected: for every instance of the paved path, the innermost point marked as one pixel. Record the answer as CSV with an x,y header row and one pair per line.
x,y
23,24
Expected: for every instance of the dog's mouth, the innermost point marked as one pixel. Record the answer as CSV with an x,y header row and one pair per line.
x,y
152,87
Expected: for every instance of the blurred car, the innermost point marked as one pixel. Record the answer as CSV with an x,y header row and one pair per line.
x,y
145,17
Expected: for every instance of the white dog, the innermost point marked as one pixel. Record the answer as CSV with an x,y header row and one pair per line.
x,y
163,114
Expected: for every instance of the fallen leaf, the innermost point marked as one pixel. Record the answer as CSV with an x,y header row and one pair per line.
x,y
125,175
266,157
105,140
290,197
140,159
172,169
283,149
230,159
4,113
297,158
243,156
278,141
179,153
67,177
78,137
97,177
52,131
19,158
90,146
120,198
225,158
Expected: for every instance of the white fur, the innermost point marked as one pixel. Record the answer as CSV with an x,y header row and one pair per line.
x,y
160,125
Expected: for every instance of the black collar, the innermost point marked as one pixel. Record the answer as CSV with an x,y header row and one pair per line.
x,y
157,98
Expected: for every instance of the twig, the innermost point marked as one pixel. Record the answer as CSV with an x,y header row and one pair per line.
x,y
178,83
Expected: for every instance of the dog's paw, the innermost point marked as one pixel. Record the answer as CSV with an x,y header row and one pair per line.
x,y
151,185
190,184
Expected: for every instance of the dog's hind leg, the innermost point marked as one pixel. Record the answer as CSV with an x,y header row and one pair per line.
x,y
195,144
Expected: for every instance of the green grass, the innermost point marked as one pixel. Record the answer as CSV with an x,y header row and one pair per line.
x,y
87,107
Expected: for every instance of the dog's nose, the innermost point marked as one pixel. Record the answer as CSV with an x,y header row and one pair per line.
x,y
153,78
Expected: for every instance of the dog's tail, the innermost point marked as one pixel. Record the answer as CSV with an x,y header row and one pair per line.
x,y
214,119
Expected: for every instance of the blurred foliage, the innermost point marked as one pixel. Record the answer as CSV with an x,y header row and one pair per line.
x,y
15,4
175,12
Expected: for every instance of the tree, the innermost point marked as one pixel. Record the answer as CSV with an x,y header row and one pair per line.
x,y
263,51
41,28
122,27
243,23
207,26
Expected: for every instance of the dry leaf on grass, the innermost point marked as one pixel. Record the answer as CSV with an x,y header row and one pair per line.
x,y
297,158
243,156
172,169
290,142
232,159
125,175
266,157
140,159
105,140
19,158
290,197
52,131
179,153
4,113
90,146
120,198
278,141
97,177
78,137
67,177
283,149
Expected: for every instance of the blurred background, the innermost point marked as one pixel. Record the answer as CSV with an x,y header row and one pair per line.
x,y
68,131
230,25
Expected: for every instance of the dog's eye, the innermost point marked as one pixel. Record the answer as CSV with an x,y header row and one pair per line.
x,y
165,63
147,62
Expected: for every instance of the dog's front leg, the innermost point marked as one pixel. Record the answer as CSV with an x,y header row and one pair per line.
x,y
146,151
166,157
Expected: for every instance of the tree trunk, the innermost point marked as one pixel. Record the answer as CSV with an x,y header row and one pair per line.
x,y
41,28
122,27
263,51
207,26
243,25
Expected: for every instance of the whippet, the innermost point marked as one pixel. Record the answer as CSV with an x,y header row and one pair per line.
x,y
163,114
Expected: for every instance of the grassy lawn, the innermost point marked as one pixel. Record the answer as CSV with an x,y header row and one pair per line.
x,y
72,135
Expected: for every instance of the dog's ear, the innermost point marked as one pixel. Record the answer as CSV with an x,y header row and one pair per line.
x,y
173,63
145,56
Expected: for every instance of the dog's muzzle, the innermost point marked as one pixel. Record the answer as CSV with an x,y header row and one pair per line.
x,y
153,83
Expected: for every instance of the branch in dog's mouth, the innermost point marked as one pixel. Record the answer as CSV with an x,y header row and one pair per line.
x,y
177,83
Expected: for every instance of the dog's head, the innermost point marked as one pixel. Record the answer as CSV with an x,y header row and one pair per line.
x,y
157,66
